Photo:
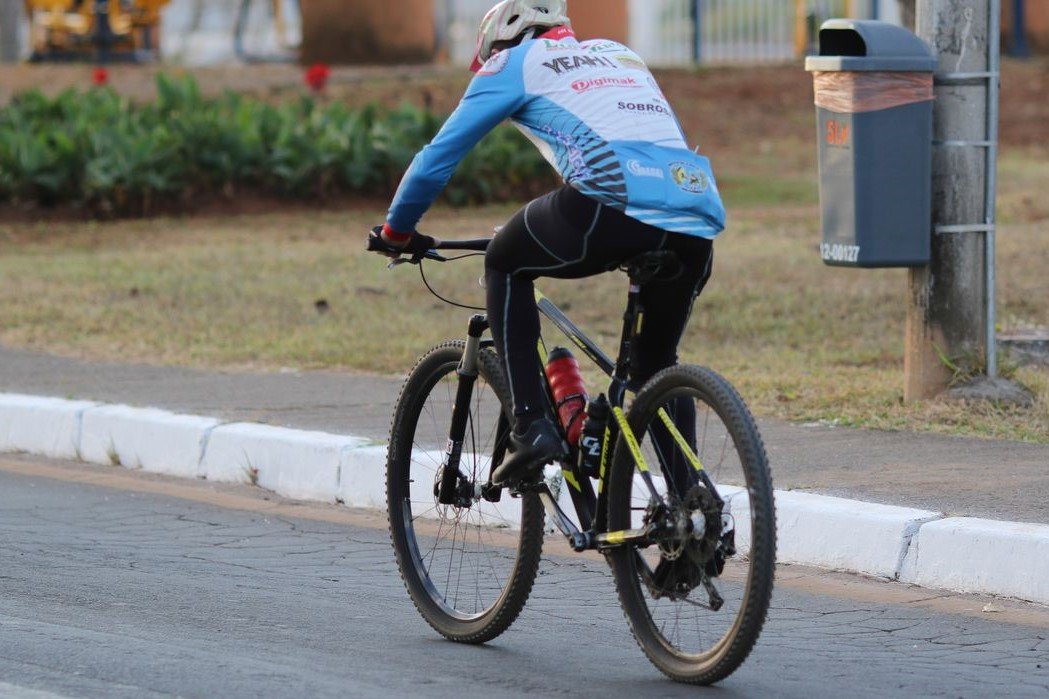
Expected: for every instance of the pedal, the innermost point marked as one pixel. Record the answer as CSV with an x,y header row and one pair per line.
x,y
581,541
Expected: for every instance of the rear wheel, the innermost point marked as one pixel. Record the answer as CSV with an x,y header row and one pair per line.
x,y
469,567
697,601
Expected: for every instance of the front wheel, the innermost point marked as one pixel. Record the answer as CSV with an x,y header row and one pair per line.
x,y
696,600
468,566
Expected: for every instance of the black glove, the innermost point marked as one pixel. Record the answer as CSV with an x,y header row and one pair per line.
x,y
418,244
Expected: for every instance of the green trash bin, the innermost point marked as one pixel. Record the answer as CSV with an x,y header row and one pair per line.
x,y
874,93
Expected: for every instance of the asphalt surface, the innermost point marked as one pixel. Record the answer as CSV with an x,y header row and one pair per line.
x,y
108,591
960,476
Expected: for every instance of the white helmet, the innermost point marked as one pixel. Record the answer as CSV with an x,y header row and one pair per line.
x,y
507,20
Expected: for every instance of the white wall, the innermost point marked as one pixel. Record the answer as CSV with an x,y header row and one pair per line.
x,y
889,11
200,32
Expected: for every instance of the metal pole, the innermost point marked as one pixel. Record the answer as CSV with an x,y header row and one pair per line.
x,y
994,63
442,10
697,32
948,309
801,33
1019,47
10,30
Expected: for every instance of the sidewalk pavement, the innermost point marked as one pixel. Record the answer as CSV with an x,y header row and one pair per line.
x,y
948,479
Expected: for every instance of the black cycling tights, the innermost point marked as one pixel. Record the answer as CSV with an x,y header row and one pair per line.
x,y
568,236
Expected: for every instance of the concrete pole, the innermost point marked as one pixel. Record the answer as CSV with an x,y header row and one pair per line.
x,y
10,30
946,305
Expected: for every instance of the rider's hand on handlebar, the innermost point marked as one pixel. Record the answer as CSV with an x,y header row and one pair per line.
x,y
395,244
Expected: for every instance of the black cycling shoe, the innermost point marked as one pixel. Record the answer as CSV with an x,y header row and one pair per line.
x,y
540,445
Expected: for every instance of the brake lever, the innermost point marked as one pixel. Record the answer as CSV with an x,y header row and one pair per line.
x,y
417,258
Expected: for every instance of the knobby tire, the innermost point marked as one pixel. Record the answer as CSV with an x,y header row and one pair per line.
x,y
442,613
726,654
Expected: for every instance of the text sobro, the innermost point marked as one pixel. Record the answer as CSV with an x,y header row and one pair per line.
x,y
836,252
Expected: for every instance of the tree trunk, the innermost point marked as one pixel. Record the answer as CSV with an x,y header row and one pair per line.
x,y
368,31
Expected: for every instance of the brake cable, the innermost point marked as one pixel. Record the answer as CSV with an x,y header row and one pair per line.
x,y
422,273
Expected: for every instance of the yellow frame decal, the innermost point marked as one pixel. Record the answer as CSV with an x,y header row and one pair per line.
x,y
631,440
604,460
680,440
571,479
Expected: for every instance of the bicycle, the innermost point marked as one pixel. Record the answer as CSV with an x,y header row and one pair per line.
x,y
692,530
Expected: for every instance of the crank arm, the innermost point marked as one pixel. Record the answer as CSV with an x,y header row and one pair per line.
x,y
626,537
579,541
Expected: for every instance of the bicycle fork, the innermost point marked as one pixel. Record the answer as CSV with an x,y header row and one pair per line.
x,y
450,486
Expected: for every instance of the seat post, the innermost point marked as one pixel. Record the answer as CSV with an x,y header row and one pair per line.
x,y
640,270
632,318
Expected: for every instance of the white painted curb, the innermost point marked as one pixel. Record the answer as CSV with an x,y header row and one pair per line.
x,y
44,426
835,533
916,546
845,534
145,438
294,463
362,477
982,555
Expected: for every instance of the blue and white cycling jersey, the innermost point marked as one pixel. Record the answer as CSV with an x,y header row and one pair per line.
x,y
597,115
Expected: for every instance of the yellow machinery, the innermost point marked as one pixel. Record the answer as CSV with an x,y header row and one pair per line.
x,y
97,30
810,14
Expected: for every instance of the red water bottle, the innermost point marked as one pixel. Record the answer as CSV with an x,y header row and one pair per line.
x,y
566,383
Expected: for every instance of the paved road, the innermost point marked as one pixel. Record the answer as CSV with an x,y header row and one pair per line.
x,y
982,478
112,586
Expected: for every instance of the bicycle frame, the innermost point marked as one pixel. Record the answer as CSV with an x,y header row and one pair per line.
x,y
591,507
595,533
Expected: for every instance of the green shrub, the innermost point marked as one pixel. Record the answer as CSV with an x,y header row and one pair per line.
x,y
99,150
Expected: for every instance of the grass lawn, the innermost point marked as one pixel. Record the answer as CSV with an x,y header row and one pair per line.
x,y
801,340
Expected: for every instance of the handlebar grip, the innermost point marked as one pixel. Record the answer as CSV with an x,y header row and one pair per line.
x,y
377,244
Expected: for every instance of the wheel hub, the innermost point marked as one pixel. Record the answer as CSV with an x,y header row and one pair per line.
x,y
693,548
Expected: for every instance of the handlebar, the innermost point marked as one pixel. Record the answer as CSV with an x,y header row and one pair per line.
x,y
377,244
477,244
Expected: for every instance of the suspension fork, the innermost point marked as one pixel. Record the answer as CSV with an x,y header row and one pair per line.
x,y
447,492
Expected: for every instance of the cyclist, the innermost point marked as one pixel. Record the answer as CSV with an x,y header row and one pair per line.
x,y
631,185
